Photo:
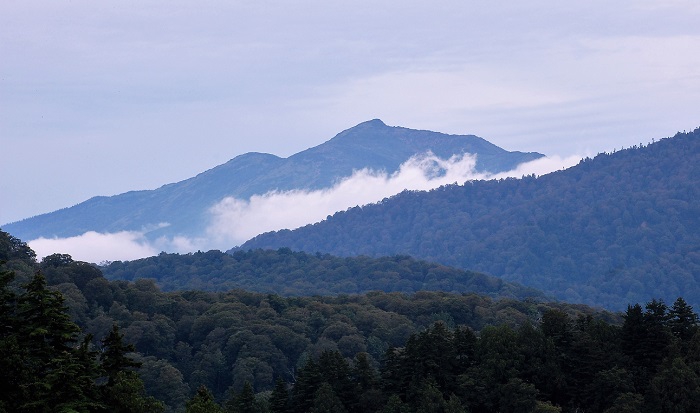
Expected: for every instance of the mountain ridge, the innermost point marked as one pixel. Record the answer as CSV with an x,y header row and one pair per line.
x,y
616,229
184,204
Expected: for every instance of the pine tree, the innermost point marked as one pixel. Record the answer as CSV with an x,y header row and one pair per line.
x,y
243,402
682,320
47,335
12,353
202,402
326,401
279,399
124,391
126,394
114,354
308,381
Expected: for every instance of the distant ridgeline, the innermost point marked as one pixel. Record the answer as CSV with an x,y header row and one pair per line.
x,y
185,205
615,229
296,273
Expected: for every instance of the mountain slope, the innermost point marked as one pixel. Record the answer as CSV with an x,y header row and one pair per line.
x,y
616,229
184,205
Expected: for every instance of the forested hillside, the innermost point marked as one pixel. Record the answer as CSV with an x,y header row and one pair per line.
x,y
238,351
287,273
613,230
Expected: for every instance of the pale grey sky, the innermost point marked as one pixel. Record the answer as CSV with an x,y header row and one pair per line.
x,y
98,98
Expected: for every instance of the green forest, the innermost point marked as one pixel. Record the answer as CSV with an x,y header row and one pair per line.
x,y
615,229
289,273
74,341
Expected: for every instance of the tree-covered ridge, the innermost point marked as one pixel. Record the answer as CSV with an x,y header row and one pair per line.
x,y
286,273
444,353
238,351
613,230
221,340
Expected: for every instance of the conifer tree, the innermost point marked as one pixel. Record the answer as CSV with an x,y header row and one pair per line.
x,y
114,354
279,399
682,320
202,402
11,352
326,401
47,335
243,402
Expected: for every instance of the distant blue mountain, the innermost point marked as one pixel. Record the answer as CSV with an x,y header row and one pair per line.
x,y
184,204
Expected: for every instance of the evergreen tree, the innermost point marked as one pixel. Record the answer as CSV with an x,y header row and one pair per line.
x,y
12,352
335,371
127,395
395,405
114,357
309,379
326,401
52,365
243,402
202,402
279,399
682,320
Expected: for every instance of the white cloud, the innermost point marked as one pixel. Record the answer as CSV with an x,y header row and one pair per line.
x,y
540,166
96,247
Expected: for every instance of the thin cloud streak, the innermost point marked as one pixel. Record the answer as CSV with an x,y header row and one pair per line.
x,y
235,220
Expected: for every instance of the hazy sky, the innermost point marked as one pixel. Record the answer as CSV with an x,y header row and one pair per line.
x,y
97,98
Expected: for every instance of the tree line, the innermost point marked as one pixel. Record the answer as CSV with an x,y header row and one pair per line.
x,y
650,363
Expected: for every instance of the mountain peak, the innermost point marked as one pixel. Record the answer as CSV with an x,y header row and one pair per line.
x,y
373,122
185,205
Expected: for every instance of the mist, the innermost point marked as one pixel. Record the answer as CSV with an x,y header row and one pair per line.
x,y
234,221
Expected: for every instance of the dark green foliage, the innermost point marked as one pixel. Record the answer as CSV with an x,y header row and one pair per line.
x,y
676,388
444,353
682,320
202,402
114,357
296,273
243,402
615,229
279,399
327,401
127,394
47,367
12,248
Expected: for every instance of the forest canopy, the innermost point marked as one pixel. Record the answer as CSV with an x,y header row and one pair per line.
x,y
286,273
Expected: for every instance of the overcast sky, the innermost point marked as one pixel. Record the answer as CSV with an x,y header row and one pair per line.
x,y
98,98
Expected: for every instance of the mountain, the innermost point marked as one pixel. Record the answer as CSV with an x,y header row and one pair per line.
x,y
620,228
184,205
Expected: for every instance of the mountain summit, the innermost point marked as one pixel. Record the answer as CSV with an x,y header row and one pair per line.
x,y
184,205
